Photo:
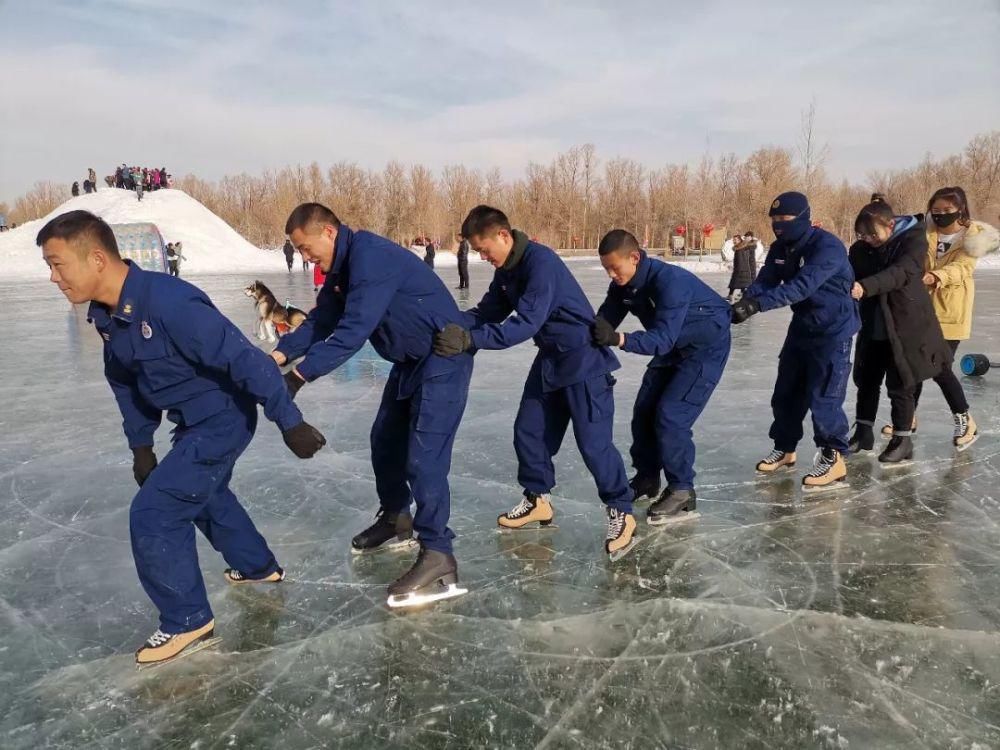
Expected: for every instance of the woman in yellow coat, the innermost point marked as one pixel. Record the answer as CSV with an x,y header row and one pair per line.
x,y
955,243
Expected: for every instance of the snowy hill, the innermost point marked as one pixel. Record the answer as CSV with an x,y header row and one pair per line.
x,y
210,245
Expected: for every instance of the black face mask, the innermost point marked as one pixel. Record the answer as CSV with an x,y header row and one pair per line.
x,y
945,220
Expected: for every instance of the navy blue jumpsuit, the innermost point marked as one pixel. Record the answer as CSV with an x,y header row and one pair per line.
x,y
167,348
378,291
570,379
814,276
687,334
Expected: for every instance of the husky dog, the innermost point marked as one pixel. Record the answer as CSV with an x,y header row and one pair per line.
x,y
273,318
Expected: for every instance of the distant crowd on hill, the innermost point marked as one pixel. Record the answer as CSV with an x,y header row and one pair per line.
x,y
139,179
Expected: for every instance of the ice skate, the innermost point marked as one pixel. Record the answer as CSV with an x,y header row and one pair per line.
x,y
433,577
621,536
391,531
533,509
829,472
673,506
899,452
966,431
887,430
863,439
644,487
776,461
163,647
236,577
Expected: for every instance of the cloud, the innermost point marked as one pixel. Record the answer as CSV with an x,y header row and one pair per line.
x,y
203,88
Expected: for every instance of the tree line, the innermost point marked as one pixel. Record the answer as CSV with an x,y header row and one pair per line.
x,y
572,200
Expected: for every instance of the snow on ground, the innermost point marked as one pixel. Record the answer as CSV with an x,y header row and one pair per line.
x,y
210,245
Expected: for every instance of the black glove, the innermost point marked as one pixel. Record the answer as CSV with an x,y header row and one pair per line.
x,y
603,333
304,440
143,463
293,382
744,309
451,341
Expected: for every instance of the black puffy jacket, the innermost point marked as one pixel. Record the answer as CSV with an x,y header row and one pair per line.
x,y
892,277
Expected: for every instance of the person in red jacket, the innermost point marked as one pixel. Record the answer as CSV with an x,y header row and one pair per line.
x,y
318,277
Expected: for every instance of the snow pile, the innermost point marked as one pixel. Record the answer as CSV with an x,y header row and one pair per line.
x,y
209,244
444,258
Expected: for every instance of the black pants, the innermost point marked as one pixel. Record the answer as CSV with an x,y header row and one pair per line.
x,y
463,275
951,389
873,361
289,261
174,268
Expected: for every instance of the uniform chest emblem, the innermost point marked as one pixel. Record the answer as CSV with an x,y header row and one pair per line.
x,y
779,261
147,332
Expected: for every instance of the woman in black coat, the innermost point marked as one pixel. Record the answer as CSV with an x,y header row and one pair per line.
x,y
744,267
900,337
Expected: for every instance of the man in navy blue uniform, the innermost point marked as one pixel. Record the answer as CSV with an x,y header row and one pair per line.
x,y
687,334
377,291
570,379
807,268
166,348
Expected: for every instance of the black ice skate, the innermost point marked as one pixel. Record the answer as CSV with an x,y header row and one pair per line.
x,y
433,577
644,487
898,452
621,536
673,506
863,439
391,531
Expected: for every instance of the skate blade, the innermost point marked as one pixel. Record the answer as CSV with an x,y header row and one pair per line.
x,y
394,547
890,465
673,520
619,554
777,472
968,445
835,486
415,599
194,648
231,582
645,498
532,526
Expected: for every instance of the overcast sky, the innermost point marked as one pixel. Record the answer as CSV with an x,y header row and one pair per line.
x,y
217,87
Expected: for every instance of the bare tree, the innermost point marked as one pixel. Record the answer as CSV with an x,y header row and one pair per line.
x,y
43,198
396,200
575,198
812,153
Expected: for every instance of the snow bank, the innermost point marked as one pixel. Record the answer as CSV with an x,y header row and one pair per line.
x,y
445,258
210,245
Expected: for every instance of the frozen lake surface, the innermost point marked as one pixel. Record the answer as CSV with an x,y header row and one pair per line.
x,y
861,619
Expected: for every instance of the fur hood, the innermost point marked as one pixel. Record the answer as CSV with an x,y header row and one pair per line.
x,y
980,238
